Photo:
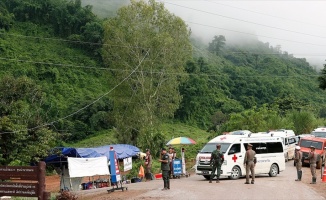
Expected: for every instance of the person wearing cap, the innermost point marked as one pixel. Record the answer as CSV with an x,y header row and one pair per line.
x,y
216,161
312,157
250,162
298,162
165,167
148,165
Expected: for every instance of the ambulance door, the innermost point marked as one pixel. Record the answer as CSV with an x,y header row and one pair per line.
x,y
234,161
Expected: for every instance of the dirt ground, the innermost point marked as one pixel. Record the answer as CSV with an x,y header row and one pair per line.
x,y
53,185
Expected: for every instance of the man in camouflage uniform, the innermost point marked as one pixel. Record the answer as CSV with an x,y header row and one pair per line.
x,y
216,161
313,160
165,167
298,162
250,163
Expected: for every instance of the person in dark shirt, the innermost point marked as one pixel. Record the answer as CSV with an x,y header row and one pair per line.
x,y
165,167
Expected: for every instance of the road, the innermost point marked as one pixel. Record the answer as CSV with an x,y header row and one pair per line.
x,y
196,187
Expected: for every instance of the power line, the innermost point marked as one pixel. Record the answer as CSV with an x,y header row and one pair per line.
x,y
55,39
252,11
144,71
83,108
273,27
255,34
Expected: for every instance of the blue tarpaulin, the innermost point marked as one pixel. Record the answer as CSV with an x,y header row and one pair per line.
x,y
59,154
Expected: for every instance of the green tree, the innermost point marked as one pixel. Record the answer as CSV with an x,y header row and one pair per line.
x,y
217,44
303,121
322,78
6,18
255,120
23,138
147,48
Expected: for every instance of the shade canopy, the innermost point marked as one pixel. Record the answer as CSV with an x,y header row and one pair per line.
x,y
181,140
60,154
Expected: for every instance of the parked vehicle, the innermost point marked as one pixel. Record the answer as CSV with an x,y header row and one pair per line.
x,y
269,154
319,132
289,141
319,143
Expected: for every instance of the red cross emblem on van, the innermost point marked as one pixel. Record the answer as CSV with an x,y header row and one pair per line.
x,y
234,158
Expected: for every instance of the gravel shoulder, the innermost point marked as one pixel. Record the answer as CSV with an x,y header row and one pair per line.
x,y
282,186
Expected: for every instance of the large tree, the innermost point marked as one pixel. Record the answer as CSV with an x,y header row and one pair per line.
x,y
146,47
217,44
322,78
24,138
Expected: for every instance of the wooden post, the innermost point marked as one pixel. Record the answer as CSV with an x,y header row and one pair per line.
x,y
41,180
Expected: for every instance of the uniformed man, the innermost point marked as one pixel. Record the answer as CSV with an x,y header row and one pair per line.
x,y
216,161
165,167
313,160
250,163
298,162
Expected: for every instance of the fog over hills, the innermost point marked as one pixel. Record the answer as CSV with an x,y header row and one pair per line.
x,y
296,26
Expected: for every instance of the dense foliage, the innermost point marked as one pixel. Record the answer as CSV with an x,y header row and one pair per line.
x,y
65,77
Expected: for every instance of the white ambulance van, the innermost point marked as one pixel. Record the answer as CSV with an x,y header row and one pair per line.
x,y
319,132
289,141
269,154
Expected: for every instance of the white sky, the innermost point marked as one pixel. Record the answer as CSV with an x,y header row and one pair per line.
x,y
298,26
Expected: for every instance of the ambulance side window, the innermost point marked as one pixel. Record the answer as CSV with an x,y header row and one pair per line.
x,y
260,148
236,148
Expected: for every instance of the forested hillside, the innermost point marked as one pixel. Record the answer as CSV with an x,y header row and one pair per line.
x,y
68,72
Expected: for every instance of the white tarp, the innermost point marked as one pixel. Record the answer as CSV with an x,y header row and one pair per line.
x,y
79,167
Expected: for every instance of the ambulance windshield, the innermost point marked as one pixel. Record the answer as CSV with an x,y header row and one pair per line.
x,y
319,134
210,147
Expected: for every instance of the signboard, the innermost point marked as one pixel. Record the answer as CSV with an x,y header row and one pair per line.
x,y
127,164
19,189
177,167
21,173
14,187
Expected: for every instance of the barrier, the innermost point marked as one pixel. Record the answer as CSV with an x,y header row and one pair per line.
x,y
324,175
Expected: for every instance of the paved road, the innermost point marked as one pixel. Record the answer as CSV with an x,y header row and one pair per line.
x,y
196,187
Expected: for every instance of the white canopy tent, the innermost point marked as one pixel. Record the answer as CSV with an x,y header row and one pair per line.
x,y
78,168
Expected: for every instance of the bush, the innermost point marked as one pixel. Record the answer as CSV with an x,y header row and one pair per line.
x,y
66,195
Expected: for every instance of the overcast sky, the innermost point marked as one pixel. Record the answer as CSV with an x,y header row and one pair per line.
x,y
298,26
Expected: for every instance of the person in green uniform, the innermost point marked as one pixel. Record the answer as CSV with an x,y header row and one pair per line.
x,y
165,167
216,161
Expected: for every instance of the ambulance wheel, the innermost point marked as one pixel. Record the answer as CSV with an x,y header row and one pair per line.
x,y
207,177
235,173
273,171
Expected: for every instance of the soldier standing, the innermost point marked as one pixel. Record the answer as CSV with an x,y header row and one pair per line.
x,y
312,160
298,162
250,163
216,161
165,167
